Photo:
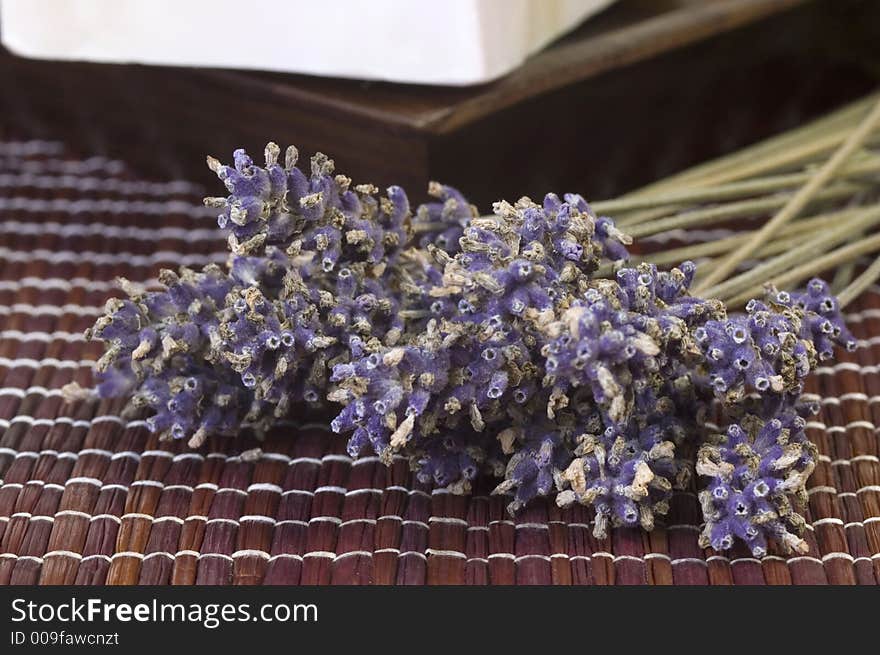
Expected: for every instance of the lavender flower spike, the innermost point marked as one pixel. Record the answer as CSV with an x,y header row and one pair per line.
x,y
757,475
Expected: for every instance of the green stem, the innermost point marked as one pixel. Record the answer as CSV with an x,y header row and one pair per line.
x,y
740,209
731,166
811,248
860,284
844,274
797,202
413,313
780,151
732,191
437,226
709,248
828,261
628,219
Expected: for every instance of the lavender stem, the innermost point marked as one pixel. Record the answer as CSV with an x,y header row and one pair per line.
x,y
797,202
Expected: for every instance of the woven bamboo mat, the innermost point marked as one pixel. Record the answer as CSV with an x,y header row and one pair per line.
x,y
87,497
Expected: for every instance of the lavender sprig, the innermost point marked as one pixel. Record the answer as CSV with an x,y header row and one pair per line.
x,y
757,472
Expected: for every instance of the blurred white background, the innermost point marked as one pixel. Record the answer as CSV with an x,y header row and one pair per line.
x,y
453,42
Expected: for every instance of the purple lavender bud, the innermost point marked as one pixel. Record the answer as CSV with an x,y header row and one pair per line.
x,y
442,223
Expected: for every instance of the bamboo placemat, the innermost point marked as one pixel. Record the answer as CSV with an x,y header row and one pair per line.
x,y
88,497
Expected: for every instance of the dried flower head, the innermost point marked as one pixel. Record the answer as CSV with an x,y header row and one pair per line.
x,y
756,473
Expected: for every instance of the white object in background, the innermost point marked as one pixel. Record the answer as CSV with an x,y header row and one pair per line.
x,y
452,42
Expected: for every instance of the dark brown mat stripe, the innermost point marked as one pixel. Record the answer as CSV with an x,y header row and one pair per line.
x,y
87,497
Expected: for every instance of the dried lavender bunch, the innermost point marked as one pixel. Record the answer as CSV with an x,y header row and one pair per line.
x,y
472,344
